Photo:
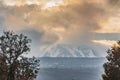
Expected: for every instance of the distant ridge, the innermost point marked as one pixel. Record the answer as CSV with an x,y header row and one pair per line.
x,y
62,50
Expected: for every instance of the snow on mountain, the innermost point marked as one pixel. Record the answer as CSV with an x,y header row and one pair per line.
x,y
61,50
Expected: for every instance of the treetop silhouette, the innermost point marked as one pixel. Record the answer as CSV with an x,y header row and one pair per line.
x,y
13,64
112,67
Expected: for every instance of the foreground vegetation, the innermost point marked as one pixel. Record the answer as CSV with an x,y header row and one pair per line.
x,y
112,67
13,64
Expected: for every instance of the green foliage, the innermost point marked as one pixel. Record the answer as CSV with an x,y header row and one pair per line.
x,y
13,65
112,67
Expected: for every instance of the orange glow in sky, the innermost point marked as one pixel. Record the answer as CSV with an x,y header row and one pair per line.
x,y
107,43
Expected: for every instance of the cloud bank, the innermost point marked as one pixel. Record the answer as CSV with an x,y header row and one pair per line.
x,y
71,22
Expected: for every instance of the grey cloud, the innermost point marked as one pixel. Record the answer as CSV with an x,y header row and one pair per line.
x,y
34,35
85,18
79,20
113,6
114,2
2,24
1,21
107,36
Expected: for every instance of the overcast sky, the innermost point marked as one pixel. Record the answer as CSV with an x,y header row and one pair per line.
x,y
51,22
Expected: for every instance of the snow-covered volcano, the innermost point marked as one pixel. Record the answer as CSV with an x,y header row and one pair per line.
x,y
61,50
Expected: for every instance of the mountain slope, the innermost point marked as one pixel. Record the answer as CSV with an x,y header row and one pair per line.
x,y
62,50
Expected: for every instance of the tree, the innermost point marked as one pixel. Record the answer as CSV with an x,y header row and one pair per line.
x,y
13,64
112,67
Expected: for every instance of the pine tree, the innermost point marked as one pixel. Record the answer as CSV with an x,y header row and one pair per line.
x,y
13,64
112,67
